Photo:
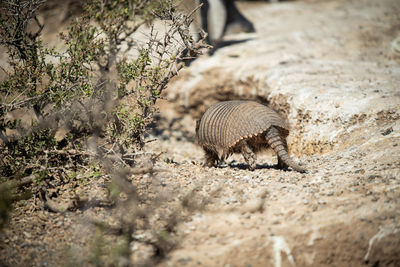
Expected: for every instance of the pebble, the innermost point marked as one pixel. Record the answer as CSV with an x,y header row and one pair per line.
x,y
229,235
27,235
231,200
184,261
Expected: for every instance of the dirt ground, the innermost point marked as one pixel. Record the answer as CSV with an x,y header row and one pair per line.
x,y
332,68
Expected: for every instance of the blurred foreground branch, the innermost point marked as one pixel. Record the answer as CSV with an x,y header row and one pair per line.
x,y
80,111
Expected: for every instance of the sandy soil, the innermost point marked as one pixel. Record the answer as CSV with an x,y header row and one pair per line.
x,y
331,68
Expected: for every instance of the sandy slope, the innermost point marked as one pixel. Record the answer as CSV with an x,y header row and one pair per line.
x,y
330,67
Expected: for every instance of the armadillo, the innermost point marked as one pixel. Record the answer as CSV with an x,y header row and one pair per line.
x,y
245,127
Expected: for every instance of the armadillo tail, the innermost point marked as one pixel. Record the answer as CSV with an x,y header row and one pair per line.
x,y
274,140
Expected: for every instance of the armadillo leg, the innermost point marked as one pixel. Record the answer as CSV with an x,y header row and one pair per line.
x,y
279,145
281,165
210,158
248,155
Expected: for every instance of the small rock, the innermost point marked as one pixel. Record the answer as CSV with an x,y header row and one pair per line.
x,y
387,131
229,235
27,235
314,207
362,171
184,261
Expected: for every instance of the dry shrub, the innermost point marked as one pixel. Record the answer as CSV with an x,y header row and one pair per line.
x,y
65,110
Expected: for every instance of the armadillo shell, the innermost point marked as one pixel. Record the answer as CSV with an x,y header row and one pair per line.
x,y
226,123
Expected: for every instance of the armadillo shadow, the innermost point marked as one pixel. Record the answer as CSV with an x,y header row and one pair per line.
x,y
243,166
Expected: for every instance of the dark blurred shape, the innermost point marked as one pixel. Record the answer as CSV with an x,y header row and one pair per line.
x,y
221,17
